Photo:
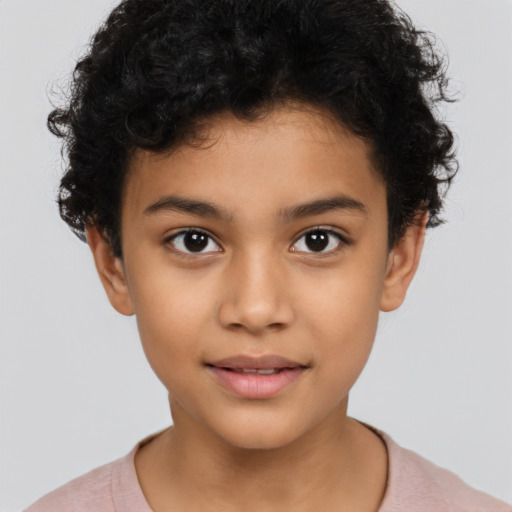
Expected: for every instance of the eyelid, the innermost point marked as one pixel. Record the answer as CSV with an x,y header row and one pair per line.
x,y
168,239
343,239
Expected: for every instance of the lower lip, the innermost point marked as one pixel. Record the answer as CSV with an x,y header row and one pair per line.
x,y
256,385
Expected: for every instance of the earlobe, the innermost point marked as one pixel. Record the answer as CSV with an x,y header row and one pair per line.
x,y
402,264
111,271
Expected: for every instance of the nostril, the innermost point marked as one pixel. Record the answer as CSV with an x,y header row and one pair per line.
x,y
255,314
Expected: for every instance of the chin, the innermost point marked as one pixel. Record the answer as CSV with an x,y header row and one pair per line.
x,y
259,434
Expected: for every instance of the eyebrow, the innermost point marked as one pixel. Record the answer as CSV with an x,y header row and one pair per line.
x,y
207,209
339,202
192,206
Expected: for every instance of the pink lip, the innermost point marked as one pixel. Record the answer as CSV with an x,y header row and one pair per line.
x,y
266,362
254,385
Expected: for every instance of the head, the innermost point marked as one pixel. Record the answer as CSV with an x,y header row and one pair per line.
x,y
298,139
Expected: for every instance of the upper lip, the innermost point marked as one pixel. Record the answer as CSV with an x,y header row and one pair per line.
x,y
266,362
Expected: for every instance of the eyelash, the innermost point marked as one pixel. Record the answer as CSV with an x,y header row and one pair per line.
x,y
183,232
343,241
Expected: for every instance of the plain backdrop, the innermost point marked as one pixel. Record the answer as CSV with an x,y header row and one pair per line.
x,y
75,389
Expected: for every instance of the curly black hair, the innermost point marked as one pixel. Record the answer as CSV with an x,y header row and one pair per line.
x,y
157,68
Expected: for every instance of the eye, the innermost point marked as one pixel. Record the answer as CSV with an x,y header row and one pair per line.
x,y
319,240
193,241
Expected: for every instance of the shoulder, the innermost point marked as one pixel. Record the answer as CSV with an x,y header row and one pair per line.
x,y
85,493
109,488
416,482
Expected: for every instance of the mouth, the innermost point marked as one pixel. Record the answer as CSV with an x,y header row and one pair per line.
x,y
259,371
256,377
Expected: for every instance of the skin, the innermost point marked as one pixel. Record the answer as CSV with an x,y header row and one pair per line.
x,y
260,289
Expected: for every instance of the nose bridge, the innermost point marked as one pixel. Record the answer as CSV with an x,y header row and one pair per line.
x,y
256,297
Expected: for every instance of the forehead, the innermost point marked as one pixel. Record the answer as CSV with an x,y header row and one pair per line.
x,y
291,155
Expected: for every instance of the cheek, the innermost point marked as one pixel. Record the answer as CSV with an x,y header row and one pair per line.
x,y
171,314
346,336
343,316
344,345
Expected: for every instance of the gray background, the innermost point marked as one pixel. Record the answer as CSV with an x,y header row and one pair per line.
x,y
75,390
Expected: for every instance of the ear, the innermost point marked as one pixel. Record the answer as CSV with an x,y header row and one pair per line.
x,y
403,261
111,271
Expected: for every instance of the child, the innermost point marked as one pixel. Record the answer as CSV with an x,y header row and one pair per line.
x,y
254,179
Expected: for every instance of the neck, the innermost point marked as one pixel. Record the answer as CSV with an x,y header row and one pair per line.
x,y
339,465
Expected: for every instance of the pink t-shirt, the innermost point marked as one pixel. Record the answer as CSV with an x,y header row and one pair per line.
x,y
414,484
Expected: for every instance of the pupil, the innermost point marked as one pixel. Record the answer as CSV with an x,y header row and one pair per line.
x,y
317,240
195,241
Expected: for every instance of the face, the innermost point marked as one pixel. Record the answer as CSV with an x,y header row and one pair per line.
x,y
256,266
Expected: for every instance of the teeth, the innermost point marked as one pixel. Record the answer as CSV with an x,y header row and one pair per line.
x,y
261,372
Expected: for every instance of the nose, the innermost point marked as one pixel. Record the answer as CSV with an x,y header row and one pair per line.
x,y
256,297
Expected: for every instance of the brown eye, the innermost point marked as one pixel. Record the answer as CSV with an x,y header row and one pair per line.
x,y
193,241
319,241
